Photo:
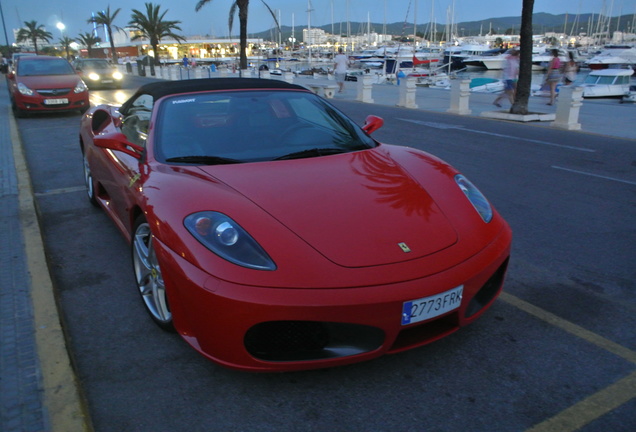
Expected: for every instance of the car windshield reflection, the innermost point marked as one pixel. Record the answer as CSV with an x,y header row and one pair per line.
x,y
213,128
33,67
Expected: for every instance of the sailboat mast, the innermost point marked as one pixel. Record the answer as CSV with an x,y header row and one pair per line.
x,y
414,27
309,38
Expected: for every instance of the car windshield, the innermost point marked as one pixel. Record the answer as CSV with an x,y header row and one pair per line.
x,y
94,64
33,67
251,126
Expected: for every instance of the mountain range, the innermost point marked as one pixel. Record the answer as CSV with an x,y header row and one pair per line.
x,y
541,23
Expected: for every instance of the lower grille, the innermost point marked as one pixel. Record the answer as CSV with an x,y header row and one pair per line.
x,y
487,292
310,340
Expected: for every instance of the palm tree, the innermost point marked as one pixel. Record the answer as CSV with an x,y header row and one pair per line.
x,y
152,26
88,40
33,32
106,19
242,6
522,94
66,44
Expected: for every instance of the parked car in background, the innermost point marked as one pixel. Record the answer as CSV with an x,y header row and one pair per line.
x,y
46,84
98,73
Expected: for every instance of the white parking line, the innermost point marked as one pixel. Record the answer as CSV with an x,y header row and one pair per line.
x,y
593,175
515,138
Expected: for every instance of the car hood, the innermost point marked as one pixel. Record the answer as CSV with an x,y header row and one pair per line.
x,y
50,81
356,209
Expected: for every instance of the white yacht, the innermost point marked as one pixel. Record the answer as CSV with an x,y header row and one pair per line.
x,y
491,59
607,83
614,56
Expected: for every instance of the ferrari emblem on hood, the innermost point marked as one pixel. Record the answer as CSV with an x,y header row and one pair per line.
x,y
404,247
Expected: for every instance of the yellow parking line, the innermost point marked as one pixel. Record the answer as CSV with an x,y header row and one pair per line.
x,y
601,402
569,327
591,408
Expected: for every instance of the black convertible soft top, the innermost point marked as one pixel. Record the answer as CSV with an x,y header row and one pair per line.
x,y
164,88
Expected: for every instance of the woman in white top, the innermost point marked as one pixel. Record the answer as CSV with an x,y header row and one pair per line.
x,y
569,70
340,69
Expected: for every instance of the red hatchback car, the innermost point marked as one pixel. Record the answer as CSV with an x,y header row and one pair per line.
x,y
272,233
44,84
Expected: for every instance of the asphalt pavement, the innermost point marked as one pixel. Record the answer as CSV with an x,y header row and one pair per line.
x,y
39,390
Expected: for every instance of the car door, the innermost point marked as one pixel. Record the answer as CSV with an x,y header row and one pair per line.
x,y
122,174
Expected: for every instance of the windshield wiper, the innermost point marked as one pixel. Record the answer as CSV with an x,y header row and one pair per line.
x,y
314,152
204,160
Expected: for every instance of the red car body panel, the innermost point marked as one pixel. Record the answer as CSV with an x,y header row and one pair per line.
x,y
331,224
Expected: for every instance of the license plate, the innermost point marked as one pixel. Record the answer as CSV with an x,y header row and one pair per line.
x,y
107,81
55,101
429,307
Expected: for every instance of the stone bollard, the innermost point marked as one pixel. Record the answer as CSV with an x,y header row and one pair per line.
x,y
407,93
289,77
460,94
223,73
198,73
158,72
365,87
174,73
569,104
265,74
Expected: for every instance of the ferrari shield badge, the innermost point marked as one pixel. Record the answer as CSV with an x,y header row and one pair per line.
x,y
404,247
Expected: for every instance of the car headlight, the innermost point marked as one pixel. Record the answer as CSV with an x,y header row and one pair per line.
x,y
24,90
117,75
227,239
476,198
80,87
93,76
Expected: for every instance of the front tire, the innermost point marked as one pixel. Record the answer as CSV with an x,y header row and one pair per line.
x,y
148,275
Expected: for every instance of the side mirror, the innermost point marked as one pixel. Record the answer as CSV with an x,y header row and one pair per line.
x,y
372,124
118,141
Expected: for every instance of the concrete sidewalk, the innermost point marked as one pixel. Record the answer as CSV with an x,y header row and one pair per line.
x,y
38,388
599,116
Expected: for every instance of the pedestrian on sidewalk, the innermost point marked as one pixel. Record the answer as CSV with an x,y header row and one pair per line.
x,y
553,76
340,69
510,77
570,69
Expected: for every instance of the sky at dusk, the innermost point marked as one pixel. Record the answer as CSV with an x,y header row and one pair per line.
x,y
212,19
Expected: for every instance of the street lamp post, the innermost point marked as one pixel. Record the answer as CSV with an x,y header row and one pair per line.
x,y
4,25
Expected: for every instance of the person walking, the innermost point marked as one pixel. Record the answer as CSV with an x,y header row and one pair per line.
x,y
340,69
510,76
570,69
553,76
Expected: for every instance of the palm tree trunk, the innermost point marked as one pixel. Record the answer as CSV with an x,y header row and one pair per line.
x,y
155,50
243,35
112,45
522,94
